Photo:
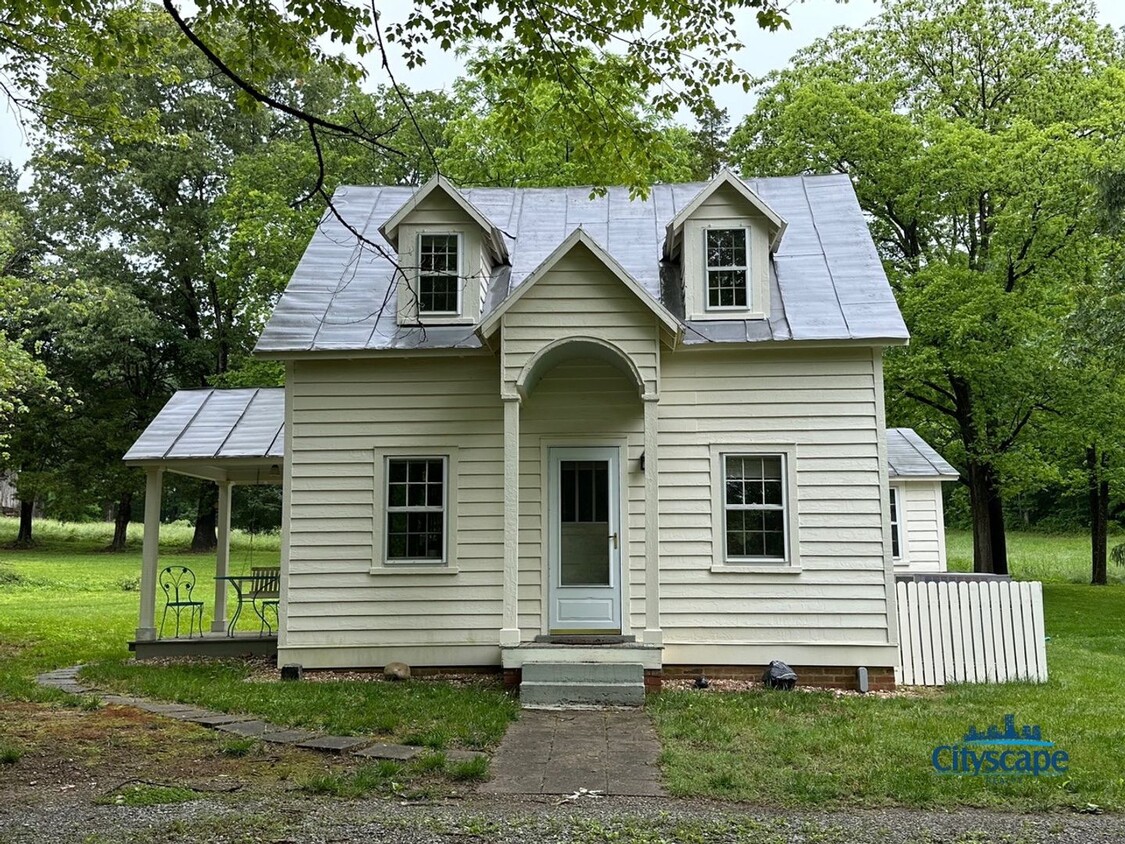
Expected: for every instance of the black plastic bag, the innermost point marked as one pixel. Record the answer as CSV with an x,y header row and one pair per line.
x,y
779,676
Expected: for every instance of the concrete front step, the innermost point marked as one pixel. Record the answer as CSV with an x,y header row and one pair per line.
x,y
582,684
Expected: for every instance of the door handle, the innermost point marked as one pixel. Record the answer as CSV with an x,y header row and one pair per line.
x,y
613,537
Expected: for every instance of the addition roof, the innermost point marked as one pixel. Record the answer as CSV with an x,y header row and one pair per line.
x,y
910,456
827,282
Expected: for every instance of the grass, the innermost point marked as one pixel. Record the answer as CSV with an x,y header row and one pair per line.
x,y
148,794
1051,558
66,601
816,749
430,713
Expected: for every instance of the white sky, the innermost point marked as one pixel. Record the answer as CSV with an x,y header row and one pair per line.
x,y
764,51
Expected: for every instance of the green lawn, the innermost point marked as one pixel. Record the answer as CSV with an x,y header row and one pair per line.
x,y
815,748
66,601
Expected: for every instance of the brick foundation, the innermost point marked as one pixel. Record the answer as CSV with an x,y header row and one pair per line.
x,y
879,679
818,676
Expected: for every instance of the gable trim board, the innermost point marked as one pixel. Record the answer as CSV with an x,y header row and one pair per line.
x,y
727,179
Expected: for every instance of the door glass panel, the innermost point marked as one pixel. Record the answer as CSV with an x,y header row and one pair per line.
x,y
584,522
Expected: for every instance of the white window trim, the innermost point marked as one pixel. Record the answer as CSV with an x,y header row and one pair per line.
x,y
789,493
747,268
460,276
380,563
898,492
694,268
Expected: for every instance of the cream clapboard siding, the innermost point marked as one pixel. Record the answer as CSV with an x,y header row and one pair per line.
x,y
339,613
834,610
923,526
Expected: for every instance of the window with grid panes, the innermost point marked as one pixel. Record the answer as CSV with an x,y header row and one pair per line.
x,y
726,253
439,279
416,509
754,507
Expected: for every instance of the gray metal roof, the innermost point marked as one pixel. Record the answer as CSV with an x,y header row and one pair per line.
x,y
910,456
215,425
826,280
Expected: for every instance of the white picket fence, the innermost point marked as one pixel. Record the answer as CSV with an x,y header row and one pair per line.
x,y
970,632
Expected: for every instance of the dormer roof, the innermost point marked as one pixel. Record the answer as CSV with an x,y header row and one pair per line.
x,y
493,236
579,237
725,178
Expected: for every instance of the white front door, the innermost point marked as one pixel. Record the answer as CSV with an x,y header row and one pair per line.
x,y
584,540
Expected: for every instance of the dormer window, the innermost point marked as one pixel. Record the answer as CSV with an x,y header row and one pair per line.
x,y
723,240
439,274
727,256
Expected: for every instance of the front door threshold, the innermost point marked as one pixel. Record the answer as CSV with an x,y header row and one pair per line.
x,y
585,639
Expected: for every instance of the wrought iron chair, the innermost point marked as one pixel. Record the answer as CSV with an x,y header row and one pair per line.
x,y
178,583
265,593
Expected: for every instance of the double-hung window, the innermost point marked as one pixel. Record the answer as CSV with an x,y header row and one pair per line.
x,y
417,502
439,274
726,254
896,525
755,517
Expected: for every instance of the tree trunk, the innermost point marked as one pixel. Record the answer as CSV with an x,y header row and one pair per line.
x,y
27,513
1099,515
206,519
122,515
990,547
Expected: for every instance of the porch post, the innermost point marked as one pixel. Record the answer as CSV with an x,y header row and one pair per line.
x,y
150,554
652,634
222,558
510,632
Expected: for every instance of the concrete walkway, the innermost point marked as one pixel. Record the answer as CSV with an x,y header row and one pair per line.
x,y
559,752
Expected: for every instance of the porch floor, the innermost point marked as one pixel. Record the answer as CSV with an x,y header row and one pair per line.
x,y
211,644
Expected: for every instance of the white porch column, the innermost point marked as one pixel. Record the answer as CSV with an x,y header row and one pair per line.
x,y
222,558
150,554
510,632
653,634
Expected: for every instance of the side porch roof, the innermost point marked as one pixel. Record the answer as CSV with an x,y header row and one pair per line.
x,y
217,434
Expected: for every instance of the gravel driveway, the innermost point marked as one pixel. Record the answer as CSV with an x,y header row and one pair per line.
x,y
288,818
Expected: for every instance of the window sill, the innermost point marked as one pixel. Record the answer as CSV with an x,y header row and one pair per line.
x,y
734,314
755,568
413,570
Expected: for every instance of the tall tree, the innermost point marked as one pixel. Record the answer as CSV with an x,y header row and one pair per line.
x,y
970,130
710,141
516,130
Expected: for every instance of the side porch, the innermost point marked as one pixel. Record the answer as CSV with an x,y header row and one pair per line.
x,y
234,438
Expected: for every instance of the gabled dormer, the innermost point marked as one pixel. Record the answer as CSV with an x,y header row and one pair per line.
x,y
722,240
447,250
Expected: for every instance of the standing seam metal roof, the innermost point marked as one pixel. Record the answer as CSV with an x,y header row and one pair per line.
x,y
910,456
826,279
215,424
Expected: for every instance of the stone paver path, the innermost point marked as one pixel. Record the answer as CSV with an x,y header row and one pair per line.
x,y
66,679
560,752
